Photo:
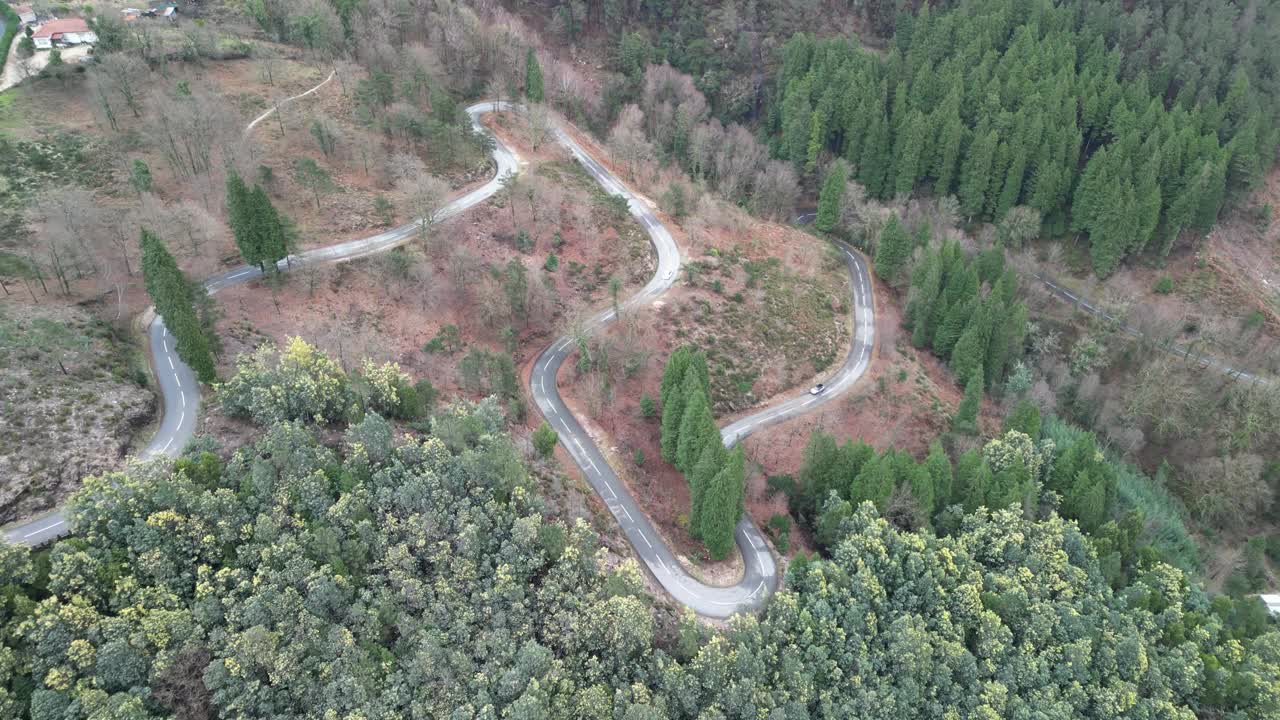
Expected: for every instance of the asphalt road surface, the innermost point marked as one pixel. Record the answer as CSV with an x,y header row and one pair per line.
x,y
181,394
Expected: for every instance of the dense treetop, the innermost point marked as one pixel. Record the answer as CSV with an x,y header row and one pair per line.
x,y
422,578
1025,102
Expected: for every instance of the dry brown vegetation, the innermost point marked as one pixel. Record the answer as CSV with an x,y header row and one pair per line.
x,y
72,395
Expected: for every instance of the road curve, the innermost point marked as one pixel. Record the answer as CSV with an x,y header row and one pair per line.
x,y
180,391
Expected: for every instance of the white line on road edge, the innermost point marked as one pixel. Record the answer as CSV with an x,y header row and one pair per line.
x,y
40,530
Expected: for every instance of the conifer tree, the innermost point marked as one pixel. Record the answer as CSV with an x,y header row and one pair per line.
x,y
909,151
977,173
1025,418
941,473
240,216
709,464
874,482
695,428
829,198
971,349
271,234
966,417
950,138
722,505
873,168
893,250
173,296
673,400
532,77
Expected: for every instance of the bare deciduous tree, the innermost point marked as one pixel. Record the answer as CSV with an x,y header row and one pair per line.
x,y
627,140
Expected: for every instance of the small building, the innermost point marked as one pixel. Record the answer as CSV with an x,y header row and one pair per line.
x,y
26,14
60,33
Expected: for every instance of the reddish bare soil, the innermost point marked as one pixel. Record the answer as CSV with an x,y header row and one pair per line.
x,y
766,325
905,400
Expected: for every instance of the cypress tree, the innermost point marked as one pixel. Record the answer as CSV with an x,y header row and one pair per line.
x,y
240,216
698,370
874,482
693,430
909,151
174,297
268,228
829,198
966,476
873,169
953,326
966,417
979,487
699,479
893,250
939,467
532,77
722,505
977,173
673,400
921,483
818,472
950,137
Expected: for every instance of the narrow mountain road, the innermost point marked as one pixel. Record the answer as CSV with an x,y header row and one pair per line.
x,y
181,393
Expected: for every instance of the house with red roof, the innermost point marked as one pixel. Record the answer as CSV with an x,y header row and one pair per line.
x,y
63,32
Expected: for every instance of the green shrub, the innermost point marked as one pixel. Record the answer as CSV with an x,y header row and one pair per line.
x,y
638,457
1164,285
544,439
784,484
448,340
780,528
647,407
552,263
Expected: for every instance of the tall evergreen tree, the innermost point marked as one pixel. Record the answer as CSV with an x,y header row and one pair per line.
x,y
909,151
939,468
966,417
673,400
893,250
173,296
269,228
977,173
699,479
722,505
829,198
240,216
532,77
695,428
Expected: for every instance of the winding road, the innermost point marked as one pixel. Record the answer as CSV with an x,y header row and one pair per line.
x,y
181,393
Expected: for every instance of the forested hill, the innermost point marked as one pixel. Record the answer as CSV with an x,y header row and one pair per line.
x,y
423,578
1131,122
1039,103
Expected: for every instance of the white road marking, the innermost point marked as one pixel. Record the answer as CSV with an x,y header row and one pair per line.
x,y
170,359
645,538
37,531
184,397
